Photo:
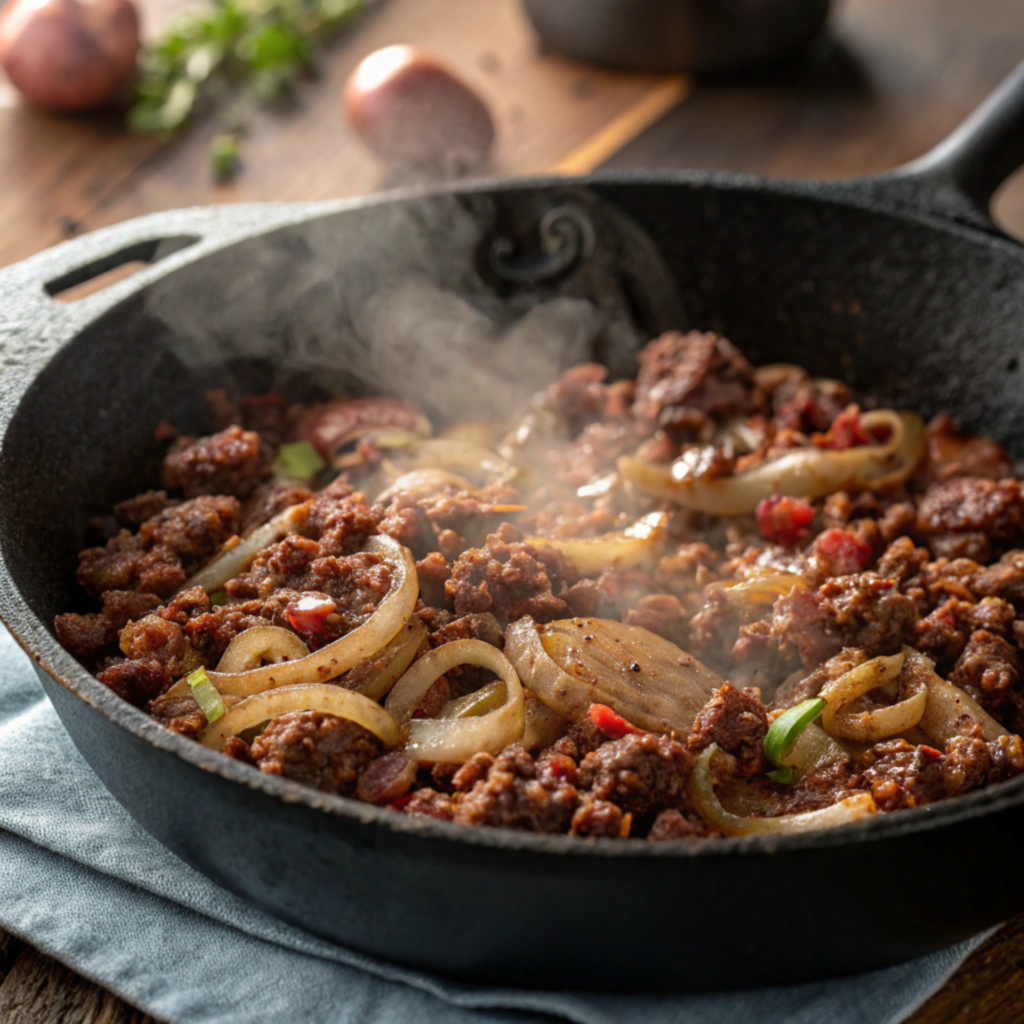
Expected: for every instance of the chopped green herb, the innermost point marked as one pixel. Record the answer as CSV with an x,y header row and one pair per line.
x,y
224,158
788,726
232,54
209,700
783,775
300,461
219,597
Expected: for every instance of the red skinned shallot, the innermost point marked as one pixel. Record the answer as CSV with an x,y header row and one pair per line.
x,y
69,54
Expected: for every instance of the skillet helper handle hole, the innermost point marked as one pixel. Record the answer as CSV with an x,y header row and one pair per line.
x,y
100,273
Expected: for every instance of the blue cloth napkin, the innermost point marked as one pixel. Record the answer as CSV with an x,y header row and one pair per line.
x,y
81,881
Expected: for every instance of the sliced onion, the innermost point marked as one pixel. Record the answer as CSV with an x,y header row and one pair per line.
x,y
457,740
424,483
374,676
801,473
878,723
761,587
813,750
702,793
458,456
331,661
543,726
331,700
258,644
639,544
480,702
948,707
573,663
236,560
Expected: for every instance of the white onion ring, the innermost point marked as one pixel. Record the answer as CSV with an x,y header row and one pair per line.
x,y
705,800
639,544
347,651
423,483
456,740
947,704
801,473
236,560
257,644
879,723
665,694
331,700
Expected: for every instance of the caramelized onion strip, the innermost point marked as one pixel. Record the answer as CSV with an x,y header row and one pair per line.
x,y
331,661
331,700
573,663
374,676
878,723
639,544
456,740
948,707
809,472
705,800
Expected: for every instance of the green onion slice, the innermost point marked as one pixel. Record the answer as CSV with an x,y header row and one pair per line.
x,y
209,700
219,597
300,461
788,726
783,775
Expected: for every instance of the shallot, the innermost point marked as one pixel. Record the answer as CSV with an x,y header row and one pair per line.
x,y
412,111
69,54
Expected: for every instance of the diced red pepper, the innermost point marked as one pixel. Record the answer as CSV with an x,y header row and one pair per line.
x,y
309,616
842,553
846,431
785,521
930,752
612,724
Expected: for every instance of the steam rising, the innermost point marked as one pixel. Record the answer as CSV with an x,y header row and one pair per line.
x,y
395,299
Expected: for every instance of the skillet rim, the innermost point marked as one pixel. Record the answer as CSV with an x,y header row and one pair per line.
x,y
32,635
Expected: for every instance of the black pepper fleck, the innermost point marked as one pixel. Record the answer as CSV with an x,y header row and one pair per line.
x,y
635,667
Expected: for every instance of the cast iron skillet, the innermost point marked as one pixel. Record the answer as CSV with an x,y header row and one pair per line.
x,y
901,284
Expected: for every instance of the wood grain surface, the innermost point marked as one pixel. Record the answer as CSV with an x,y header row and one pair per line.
x,y
894,78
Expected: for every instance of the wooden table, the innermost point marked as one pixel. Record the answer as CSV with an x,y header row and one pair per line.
x,y
897,78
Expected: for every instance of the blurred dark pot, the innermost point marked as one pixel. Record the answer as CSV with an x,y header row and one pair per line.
x,y
678,35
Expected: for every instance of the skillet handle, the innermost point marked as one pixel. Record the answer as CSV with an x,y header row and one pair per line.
x,y
960,175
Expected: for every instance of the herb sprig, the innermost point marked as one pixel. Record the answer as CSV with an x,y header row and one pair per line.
x,y
228,57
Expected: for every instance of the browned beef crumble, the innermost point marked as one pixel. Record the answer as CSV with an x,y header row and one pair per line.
x,y
318,749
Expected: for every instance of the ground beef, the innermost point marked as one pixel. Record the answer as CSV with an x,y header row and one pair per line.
x,y
599,818
801,686
137,682
84,636
820,788
578,397
179,714
867,611
194,530
157,638
582,738
231,462
511,795
988,669
902,560
135,511
673,824
662,614
971,517
691,372
901,775
509,578
802,404
737,721
641,773
318,749
952,454
269,500
127,564
1005,579
944,633
387,779
429,803
477,626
